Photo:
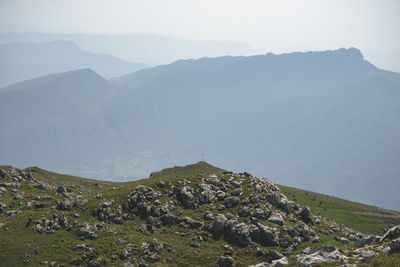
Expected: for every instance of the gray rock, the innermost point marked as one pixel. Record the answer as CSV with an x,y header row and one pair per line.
x,y
207,194
161,184
324,254
395,245
208,215
218,227
185,196
2,207
225,261
305,215
64,205
366,240
79,202
368,254
393,232
221,195
88,231
274,255
273,199
276,218
142,195
266,236
261,214
61,189
238,233
97,263
231,202
169,219
244,212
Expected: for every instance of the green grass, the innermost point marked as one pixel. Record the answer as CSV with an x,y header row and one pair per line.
x,y
17,243
358,216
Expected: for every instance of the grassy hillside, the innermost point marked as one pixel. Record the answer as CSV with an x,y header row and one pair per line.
x,y
22,245
358,216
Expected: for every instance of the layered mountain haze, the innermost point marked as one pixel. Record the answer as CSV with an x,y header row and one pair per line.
x,y
23,60
151,49
324,121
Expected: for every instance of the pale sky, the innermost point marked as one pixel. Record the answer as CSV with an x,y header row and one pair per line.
x,y
278,26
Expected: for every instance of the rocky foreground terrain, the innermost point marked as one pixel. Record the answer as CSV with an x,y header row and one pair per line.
x,y
196,215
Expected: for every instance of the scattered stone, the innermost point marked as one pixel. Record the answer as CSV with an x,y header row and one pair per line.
x,y
61,189
305,215
231,202
394,245
88,231
393,232
64,205
324,254
276,218
185,196
225,261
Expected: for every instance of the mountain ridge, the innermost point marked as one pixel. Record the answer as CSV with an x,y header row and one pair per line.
x,y
317,125
21,61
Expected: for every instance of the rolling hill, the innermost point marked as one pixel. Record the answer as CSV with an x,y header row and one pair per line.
x,y
184,216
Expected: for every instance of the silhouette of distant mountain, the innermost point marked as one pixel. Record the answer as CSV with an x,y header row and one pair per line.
x,y
21,61
151,49
325,121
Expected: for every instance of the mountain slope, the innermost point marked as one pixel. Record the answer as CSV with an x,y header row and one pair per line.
x,y
53,119
319,120
84,221
22,61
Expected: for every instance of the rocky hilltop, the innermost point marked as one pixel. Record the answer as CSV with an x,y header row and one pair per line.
x,y
196,215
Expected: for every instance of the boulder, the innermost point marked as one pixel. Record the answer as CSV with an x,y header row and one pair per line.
x,y
305,215
218,227
88,231
160,184
64,205
276,218
185,196
231,202
61,189
244,212
323,254
142,195
225,261
238,233
169,219
2,207
207,194
394,245
79,202
393,232
366,240
266,236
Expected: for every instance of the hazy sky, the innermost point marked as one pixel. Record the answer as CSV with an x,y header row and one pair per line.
x,y
277,26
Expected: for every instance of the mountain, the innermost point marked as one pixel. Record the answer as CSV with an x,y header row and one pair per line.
x,y
22,61
151,49
184,216
53,119
323,121
318,120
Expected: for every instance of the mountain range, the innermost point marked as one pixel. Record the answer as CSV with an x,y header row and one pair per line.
x,y
23,60
151,49
324,121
